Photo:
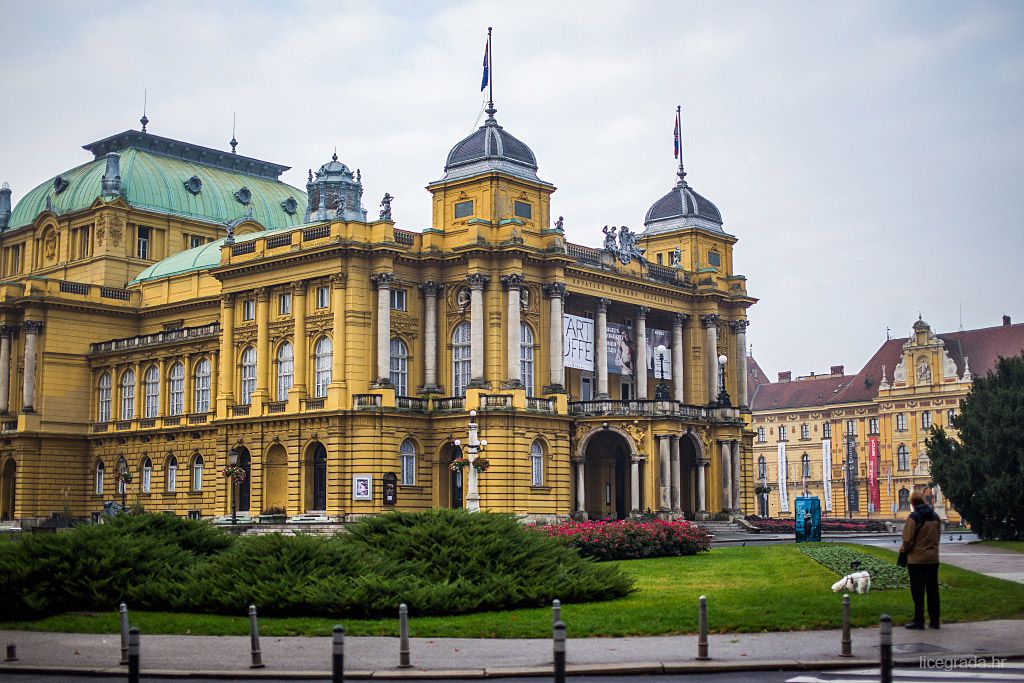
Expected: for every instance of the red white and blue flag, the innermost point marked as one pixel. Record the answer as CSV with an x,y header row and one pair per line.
x,y
487,64
678,135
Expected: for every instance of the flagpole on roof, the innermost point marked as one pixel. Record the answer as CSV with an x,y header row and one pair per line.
x,y
679,141
490,75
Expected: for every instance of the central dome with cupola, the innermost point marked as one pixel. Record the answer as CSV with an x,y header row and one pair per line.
x,y
490,148
682,207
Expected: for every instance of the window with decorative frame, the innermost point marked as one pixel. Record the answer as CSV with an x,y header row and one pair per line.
x,y
285,370
407,454
926,419
399,374
248,376
901,422
782,432
397,299
762,468
147,475
904,497
323,297
950,414
873,425
805,466
461,355
805,431
151,392
851,428
98,474
176,389
526,358
106,396
323,357
201,391
902,458
536,463
172,475
284,303
197,472
249,309
826,430
761,436
128,395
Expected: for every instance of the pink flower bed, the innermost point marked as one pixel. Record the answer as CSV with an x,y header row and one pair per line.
x,y
785,526
631,540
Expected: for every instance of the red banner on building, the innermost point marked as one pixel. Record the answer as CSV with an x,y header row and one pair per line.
x,y
874,491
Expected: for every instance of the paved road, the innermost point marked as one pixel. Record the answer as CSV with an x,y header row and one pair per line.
x,y
997,562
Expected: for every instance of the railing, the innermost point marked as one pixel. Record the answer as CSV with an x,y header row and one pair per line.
x,y
315,403
243,248
365,401
404,237
277,241
661,273
240,410
542,405
637,407
198,419
316,233
10,425
147,423
276,407
495,401
115,293
123,425
182,333
171,421
73,287
418,405
587,256
100,427
450,404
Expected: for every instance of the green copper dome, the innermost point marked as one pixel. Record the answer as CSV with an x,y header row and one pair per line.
x,y
171,177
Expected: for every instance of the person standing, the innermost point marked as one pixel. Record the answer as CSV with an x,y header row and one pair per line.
x,y
921,544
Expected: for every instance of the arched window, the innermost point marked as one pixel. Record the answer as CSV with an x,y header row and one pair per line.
x,y
407,451
536,463
904,495
172,474
201,396
322,364
147,475
285,370
151,392
902,458
461,364
762,468
100,469
197,472
248,375
105,398
176,390
122,485
805,466
128,395
526,358
400,368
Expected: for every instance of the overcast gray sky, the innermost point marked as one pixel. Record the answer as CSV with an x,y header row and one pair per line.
x,y
869,156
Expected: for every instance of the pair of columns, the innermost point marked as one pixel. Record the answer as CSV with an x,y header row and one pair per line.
x,y
739,328
731,477
32,330
634,484
671,475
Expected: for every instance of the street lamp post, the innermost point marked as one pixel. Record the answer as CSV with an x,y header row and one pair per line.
x,y
723,395
473,447
233,460
661,392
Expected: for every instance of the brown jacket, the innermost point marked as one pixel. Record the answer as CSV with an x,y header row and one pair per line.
x,y
925,548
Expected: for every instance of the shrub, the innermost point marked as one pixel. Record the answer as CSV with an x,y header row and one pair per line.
x,y
630,539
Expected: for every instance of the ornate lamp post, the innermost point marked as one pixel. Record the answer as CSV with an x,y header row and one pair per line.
x,y
474,446
661,392
124,477
723,395
231,473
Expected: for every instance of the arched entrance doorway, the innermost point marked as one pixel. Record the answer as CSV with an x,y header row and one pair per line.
x,y
607,461
245,487
450,485
316,478
8,481
275,479
689,461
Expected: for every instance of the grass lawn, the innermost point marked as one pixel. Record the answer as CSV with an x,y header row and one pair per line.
x,y
1016,546
754,588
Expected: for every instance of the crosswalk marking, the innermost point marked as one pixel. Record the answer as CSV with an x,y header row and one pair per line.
x,y
899,675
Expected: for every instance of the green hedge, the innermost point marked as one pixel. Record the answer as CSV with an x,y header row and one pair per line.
x,y
437,562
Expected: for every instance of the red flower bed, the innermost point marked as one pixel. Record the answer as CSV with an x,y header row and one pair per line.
x,y
785,526
631,540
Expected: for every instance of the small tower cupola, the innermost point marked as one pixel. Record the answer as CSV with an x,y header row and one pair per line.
x,y
335,193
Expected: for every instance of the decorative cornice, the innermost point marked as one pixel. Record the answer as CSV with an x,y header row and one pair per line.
x,y
512,281
431,288
227,298
477,280
339,280
8,331
642,311
382,280
299,288
555,289
602,303
682,319
709,320
739,326
262,294
33,326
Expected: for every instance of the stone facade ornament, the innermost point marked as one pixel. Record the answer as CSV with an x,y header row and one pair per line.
x,y
431,288
948,366
899,375
512,281
676,258
383,280
625,248
967,370
385,207
555,289
477,280
709,320
559,225
884,384
924,372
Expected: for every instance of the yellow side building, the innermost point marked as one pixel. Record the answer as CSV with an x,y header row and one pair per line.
x,y
166,307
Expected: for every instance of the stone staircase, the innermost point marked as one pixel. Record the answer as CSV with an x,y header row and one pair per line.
x,y
724,532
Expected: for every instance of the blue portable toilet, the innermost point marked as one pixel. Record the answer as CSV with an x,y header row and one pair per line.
x,y
807,515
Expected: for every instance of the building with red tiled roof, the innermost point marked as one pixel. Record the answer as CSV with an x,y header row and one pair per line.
x,y
858,441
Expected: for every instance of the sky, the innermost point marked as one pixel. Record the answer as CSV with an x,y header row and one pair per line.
x,y
869,156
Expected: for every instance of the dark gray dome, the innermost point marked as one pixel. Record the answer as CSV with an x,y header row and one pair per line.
x,y
680,202
490,141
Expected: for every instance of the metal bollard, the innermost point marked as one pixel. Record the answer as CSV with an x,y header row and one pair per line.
x,y
559,638
133,655
123,609
556,611
702,628
254,638
847,650
885,649
12,653
338,655
403,637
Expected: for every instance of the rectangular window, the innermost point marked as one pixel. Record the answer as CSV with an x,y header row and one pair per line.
x,y
196,241
248,309
805,431
147,479
176,391
523,210
323,297
714,259
873,425
586,389
409,469
397,299
949,416
851,427
782,432
80,242
537,468
284,303
901,422
761,436
201,399
626,391
826,430
143,236
926,419
464,209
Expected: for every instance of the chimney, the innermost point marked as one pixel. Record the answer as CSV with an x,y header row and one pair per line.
x,y
1006,318
5,205
837,370
785,376
112,177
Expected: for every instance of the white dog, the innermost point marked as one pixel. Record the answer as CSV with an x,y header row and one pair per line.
x,y
857,582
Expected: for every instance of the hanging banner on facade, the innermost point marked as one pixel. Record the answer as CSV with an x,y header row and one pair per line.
x,y
783,491
852,494
659,365
874,490
621,354
826,472
578,342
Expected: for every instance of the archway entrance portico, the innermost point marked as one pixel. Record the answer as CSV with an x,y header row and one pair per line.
x,y
607,482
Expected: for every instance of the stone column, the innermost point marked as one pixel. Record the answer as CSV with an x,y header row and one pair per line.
x,y
640,344
262,393
430,291
383,282
513,285
580,487
28,391
679,321
740,328
6,332
634,484
226,384
665,467
710,324
726,476
339,346
601,344
299,352
677,491
477,283
702,492
556,293
736,476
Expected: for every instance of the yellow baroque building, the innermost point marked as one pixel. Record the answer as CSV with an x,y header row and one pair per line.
x,y
857,442
166,306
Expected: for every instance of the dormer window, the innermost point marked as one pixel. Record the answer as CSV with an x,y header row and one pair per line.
x,y
464,209
523,210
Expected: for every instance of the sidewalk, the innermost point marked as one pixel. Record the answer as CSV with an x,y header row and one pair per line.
x,y
447,658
